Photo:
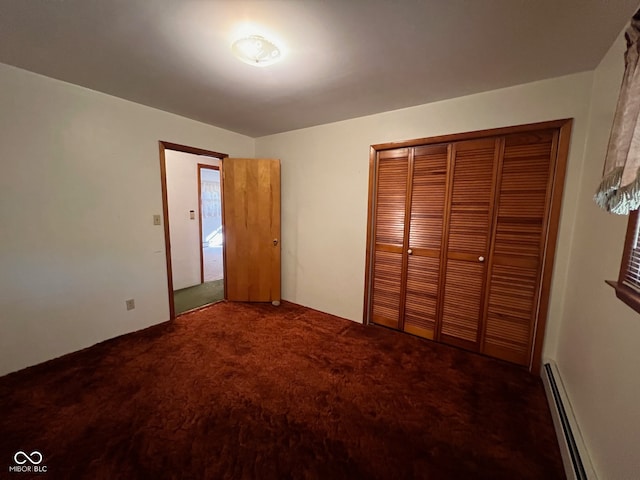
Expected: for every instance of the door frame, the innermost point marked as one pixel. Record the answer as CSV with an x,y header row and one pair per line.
x,y
563,127
207,167
163,146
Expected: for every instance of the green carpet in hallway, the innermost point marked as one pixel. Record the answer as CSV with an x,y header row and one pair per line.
x,y
198,295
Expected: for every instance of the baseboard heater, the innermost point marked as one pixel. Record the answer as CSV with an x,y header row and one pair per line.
x,y
575,457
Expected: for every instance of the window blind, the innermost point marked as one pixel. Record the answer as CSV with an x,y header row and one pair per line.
x,y
632,272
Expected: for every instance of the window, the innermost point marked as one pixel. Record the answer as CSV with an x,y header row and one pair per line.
x,y
628,284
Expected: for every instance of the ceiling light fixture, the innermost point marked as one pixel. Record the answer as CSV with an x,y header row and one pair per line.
x,y
256,50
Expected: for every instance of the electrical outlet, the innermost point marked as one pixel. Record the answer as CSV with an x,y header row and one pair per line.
x,y
131,304
156,219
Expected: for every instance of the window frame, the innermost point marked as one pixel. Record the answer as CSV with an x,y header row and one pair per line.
x,y
625,293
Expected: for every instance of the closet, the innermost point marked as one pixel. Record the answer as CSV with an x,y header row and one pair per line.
x,y
461,237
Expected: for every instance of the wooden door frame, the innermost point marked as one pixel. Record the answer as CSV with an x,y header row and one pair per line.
x,y
163,146
207,167
563,126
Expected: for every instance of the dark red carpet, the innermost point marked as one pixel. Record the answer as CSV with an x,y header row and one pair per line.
x,y
255,391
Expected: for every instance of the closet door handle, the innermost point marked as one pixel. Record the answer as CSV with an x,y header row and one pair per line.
x,y
409,251
481,259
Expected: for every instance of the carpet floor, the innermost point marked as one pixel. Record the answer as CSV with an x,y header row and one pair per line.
x,y
256,391
189,298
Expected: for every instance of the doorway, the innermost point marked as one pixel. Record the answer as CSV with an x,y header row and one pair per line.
x,y
192,208
210,195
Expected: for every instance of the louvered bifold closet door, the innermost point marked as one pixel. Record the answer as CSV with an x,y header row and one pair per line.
x,y
429,182
467,246
391,197
523,198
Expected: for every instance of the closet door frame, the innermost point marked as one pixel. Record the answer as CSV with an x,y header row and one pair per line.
x,y
563,126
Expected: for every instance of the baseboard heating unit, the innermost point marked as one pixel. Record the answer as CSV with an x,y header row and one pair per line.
x,y
575,457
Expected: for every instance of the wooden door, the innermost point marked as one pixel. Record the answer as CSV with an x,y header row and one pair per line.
x,y
461,244
523,204
470,206
251,229
428,185
390,217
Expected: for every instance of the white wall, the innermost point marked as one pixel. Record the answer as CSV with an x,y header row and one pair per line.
x,y
325,173
599,343
79,184
182,195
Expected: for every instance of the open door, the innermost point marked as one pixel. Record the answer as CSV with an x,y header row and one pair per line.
x,y
251,229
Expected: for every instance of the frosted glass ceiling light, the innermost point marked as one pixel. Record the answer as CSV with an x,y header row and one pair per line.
x,y
256,50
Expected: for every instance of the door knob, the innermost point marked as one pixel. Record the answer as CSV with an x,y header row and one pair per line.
x,y
481,259
409,251
275,242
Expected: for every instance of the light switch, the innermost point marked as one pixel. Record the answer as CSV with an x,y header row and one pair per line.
x,y
192,214
156,220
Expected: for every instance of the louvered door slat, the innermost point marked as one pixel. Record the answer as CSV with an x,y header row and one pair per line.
x,y
511,302
386,288
422,295
425,239
391,197
462,297
513,281
470,208
471,196
391,192
427,197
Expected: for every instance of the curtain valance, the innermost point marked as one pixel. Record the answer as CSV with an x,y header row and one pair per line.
x,y
619,190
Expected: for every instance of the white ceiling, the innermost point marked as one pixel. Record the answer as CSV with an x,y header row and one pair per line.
x,y
344,59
